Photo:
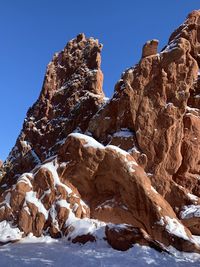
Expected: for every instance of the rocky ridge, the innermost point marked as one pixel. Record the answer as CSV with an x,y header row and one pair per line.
x,y
125,170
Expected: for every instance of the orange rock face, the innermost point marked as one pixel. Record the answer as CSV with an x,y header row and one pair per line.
x,y
124,170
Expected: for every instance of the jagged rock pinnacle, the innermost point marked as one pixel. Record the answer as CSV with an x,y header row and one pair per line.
x,y
128,166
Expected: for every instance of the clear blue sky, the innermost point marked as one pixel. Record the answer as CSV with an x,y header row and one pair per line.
x,y
33,30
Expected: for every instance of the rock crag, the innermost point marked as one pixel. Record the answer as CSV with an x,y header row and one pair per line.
x,y
125,170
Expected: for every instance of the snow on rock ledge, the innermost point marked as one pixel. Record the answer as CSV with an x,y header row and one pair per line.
x,y
61,184
62,196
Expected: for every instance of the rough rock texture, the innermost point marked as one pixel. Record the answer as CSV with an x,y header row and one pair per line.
x,y
150,48
71,94
124,170
124,237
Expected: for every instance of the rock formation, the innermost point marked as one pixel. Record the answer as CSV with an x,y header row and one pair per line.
x,y
125,170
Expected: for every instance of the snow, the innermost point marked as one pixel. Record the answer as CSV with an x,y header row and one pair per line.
x,y
118,150
174,227
130,164
26,208
53,214
9,233
192,114
26,144
170,47
90,142
63,203
86,226
51,166
95,95
31,239
124,133
159,208
154,190
6,201
192,109
106,99
32,198
60,253
75,207
134,150
111,203
193,197
169,104
47,192
24,179
190,212
83,226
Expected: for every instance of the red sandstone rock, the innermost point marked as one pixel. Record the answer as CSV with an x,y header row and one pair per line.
x,y
70,96
150,48
124,237
140,167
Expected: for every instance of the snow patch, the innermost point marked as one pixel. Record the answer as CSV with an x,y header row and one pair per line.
x,y
193,197
170,47
174,227
154,190
190,212
6,201
63,203
85,226
90,142
8,232
33,239
111,203
24,179
124,133
118,150
32,198
52,167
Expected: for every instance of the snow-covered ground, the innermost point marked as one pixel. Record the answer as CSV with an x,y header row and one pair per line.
x,y
60,253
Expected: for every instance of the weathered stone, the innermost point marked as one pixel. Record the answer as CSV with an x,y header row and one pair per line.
x,y
132,161
150,48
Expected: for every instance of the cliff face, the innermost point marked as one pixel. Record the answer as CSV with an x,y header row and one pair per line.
x,y
71,94
126,170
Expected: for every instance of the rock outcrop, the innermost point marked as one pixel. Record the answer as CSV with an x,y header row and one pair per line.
x,y
71,94
125,170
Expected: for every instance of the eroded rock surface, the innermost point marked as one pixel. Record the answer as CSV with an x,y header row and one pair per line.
x,y
124,170
71,95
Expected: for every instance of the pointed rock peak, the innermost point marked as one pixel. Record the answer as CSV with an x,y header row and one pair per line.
x,y
80,57
194,17
80,37
190,30
150,48
71,94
